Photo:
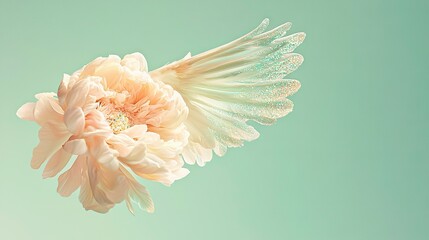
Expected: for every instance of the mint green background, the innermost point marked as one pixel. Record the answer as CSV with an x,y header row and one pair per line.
x,y
351,161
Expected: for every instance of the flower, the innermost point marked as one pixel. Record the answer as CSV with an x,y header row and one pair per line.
x,y
119,122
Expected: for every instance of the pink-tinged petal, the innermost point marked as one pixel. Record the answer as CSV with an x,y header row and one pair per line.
x,y
26,112
62,89
76,97
136,155
136,131
76,146
96,88
108,186
71,179
153,168
56,106
74,119
90,107
91,68
85,92
138,194
96,180
96,125
47,109
122,143
135,61
117,189
108,69
101,152
57,162
52,137
86,196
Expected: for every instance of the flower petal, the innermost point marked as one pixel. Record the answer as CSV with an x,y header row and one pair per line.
x,y
122,143
135,61
136,131
52,137
86,196
63,89
96,125
101,152
76,97
138,194
96,178
26,112
76,146
181,173
109,186
71,179
74,119
57,162
136,156
47,109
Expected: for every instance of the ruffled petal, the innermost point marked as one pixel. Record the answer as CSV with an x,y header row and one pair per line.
x,y
76,146
26,112
57,162
71,179
47,109
109,186
96,125
74,119
52,137
136,131
138,194
136,155
63,89
122,143
135,61
86,196
102,153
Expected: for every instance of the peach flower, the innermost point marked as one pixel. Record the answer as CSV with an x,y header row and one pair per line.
x,y
119,122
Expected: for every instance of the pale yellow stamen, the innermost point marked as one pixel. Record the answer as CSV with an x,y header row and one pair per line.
x,y
118,121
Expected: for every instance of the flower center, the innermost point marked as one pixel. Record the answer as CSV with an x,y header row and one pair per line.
x,y
118,121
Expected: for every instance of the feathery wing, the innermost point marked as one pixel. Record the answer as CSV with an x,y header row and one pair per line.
x,y
229,85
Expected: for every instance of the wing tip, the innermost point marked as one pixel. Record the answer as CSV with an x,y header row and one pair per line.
x,y
266,21
294,86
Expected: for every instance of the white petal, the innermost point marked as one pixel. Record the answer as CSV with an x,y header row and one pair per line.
x,y
181,173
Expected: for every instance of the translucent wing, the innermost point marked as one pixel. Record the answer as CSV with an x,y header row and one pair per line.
x,y
229,85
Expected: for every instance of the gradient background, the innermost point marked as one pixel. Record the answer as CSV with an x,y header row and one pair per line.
x,y
351,161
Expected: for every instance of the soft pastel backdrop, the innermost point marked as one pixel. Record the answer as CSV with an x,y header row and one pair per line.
x,y
351,161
